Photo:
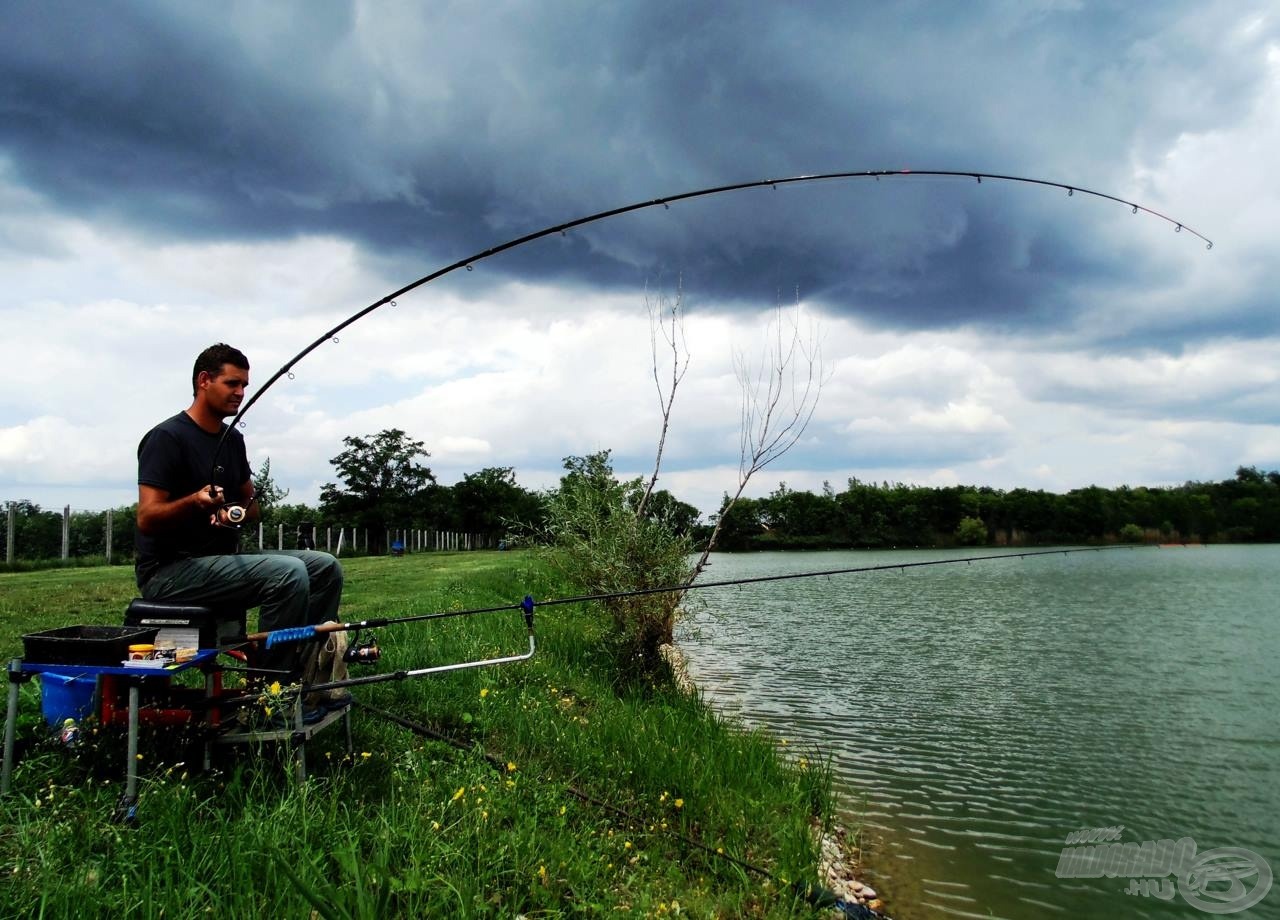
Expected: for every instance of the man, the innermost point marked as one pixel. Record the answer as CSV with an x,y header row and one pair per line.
x,y
187,542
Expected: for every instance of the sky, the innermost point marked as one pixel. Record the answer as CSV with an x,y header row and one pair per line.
x,y
173,175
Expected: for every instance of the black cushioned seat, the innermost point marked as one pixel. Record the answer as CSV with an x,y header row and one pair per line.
x,y
217,626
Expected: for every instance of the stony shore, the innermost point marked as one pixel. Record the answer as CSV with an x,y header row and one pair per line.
x,y
838,857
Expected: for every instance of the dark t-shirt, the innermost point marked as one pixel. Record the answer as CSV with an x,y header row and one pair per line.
x,y
177,456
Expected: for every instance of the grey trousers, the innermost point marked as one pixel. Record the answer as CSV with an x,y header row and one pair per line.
x,y
292,587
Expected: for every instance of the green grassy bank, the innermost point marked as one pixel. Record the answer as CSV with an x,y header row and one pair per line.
x,y
408,826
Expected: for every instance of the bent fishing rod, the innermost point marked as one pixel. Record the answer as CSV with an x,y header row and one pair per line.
x,y
666,201
527,606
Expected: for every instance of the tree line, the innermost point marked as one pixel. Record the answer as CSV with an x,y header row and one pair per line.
x,y
382,484
1242,509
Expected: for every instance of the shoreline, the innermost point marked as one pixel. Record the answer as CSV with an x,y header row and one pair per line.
x,y
838,862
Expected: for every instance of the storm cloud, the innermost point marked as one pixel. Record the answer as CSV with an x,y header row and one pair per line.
x,y
427,132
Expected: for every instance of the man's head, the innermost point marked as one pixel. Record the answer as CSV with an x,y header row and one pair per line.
x,y
221,373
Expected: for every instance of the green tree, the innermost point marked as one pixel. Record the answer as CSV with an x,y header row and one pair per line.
x,y
490,501
682,517
269,494
37,534
739,522
382,482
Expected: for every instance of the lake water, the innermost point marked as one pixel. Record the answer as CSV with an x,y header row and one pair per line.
x,y
977,714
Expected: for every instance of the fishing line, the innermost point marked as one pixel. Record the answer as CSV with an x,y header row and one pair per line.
x,y
470,261
816,895
303,633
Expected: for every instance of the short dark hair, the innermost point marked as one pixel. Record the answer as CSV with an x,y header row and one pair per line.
x,y
211,360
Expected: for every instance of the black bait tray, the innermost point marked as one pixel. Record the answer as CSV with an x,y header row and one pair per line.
x,y
96,645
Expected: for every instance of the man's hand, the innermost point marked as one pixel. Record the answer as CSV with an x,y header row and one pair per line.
x,y
210,497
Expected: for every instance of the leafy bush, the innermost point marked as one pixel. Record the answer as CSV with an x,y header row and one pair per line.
x,y
971,532
604,542
1132,533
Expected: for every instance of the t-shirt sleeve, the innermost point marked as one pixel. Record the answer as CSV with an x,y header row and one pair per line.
x,y
158,457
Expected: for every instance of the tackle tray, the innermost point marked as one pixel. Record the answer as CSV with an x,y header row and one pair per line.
x,y
96,645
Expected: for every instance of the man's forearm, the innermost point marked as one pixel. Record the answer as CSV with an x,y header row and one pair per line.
x,y
158,513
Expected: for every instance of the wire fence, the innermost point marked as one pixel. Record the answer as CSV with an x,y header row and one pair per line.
x,y
107,537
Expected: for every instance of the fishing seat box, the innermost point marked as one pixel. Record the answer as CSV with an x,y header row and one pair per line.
x,y
188,625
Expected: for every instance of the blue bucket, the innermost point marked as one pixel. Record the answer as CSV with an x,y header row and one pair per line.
x,y
63,698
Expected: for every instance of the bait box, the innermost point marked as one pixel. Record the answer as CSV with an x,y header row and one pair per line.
x,y
92,645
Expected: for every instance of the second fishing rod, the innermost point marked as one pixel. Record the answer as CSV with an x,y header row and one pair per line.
x,y
528,606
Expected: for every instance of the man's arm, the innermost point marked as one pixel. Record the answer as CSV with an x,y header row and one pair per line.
x,y
158,512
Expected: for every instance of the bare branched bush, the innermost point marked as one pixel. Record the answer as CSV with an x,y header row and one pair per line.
x,y
612,537
780,392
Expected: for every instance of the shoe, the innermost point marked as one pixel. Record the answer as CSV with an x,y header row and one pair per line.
x,y
336,700
328,700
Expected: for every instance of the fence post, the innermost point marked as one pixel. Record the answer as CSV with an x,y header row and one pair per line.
x,y
106,538
260,544
9,530
66,531
328,538
280,536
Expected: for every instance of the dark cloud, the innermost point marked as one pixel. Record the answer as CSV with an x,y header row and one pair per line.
x,y
427,134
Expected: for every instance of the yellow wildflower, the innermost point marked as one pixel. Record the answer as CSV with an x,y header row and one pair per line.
x,y
511,766
679,803
484,691
459,794
275,686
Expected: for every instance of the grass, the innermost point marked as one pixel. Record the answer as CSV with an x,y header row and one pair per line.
x,y
408,826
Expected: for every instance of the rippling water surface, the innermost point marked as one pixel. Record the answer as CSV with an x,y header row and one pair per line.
x,y
978,713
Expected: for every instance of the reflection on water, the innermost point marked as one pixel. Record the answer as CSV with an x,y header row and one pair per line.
x,y
976,714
